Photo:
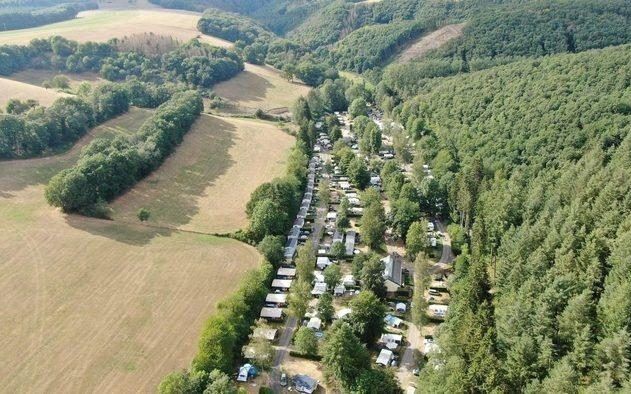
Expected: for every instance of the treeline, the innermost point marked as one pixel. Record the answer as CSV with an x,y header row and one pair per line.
x,y
107,168
194,63
23,18
28,130
535,160
231,26
526,30
222,338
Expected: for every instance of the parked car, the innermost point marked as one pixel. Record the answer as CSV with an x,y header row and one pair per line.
x,y
283,379
434,292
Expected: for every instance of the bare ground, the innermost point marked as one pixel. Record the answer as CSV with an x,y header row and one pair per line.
x,y
430,41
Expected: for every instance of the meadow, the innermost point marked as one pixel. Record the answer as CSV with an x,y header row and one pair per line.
x,y
205,184
10,88
260,87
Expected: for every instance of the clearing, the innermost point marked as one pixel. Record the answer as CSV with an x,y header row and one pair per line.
x,y
100,306
430,41
260,87
15,89
101,25
206,183
37,77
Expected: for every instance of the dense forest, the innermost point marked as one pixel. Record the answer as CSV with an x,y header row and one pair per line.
x,y
529,29
534,160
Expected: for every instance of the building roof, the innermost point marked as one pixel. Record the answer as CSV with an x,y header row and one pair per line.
x,y
339,290
337,237
318,276
350,242
319,288
272,313
384,357
393,270
387,337
265,333
283,271
314,323
282,283
323,262
342,313
276,298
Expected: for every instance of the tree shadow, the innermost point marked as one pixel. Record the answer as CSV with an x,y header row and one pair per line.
x,y
128,233
245,87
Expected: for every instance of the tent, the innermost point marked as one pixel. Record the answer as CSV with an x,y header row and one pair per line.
x,y
401,307
392,321
246,372
305,384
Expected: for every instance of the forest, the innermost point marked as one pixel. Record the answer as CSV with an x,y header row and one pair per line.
x,y
533,158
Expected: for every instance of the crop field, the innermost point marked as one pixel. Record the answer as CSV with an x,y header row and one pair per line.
x,y
19,90
260,87
100,306
205,184
430,41
101,25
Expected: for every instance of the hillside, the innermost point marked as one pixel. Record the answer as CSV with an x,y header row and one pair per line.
x,y
535,159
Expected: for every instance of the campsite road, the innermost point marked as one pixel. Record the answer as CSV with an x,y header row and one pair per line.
x,y
281,352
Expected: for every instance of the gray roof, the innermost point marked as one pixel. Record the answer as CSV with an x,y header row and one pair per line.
x,y
350,242
393,270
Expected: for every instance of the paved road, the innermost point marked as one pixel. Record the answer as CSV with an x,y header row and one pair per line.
x,y
281,352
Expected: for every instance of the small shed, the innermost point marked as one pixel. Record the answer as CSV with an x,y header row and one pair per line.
x,y
384,358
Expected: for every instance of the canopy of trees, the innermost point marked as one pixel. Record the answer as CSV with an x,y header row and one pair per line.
x,y
22,15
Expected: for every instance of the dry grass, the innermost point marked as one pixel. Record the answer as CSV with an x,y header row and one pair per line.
x,y
19,90
99,306
430,41
260,87
101,25
206,183
38,77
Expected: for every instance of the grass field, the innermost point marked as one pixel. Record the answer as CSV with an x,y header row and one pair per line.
x,y
101,25
260,87
430,41
206,183
15,89
100,306
39,76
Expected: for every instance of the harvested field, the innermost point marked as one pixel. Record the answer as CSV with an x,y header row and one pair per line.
x,y
101,25
260,87
205,185
100,306
14,89
430,41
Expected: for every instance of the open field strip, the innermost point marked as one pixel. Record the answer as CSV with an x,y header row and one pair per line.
x,y
206,183
101,25
260,87
19,90
100,306
430,41
38,77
